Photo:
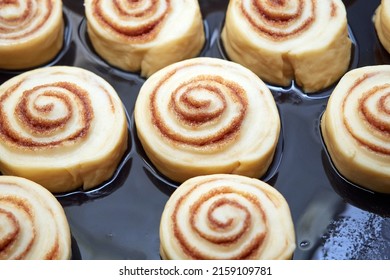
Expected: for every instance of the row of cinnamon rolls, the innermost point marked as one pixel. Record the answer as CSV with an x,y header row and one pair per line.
x,y
280,41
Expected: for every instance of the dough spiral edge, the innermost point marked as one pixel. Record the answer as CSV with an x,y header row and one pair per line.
x,y
226,217
356,127
149,16
56,128
31,33
34,223
201,110
145,35
285,38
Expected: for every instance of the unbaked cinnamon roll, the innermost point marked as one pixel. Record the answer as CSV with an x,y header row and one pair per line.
x,y
206,115
145,35
33,224
305,40
31,32
62,127
226,217
382,24
356,127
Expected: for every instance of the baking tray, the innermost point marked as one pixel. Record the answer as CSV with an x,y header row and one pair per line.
x,y
333,218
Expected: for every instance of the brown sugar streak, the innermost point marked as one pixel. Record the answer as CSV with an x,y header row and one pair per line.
x,y
24,21
143,32
278,19
372,121
132,5
6,241
223,135
21,205
216,225
41,125
333,11
198,114
251,250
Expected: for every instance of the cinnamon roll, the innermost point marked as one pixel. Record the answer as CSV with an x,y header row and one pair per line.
x,y
356,127
31,32
226,217
305,40
33,224
144,35
62,127
206,115
382,24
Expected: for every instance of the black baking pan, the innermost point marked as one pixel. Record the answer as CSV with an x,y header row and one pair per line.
x,y
334,219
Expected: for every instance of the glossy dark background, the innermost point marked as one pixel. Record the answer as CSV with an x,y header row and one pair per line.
x,y
333,218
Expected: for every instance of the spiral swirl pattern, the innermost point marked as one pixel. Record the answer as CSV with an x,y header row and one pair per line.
x,y
33,224
226,217
281,20
361,106
144,35
20,19
43,113
290,37
212,115
32,26
134,21
57,118
370,122
194,111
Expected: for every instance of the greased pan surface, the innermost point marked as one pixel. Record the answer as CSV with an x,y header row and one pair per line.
x,y
333,218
